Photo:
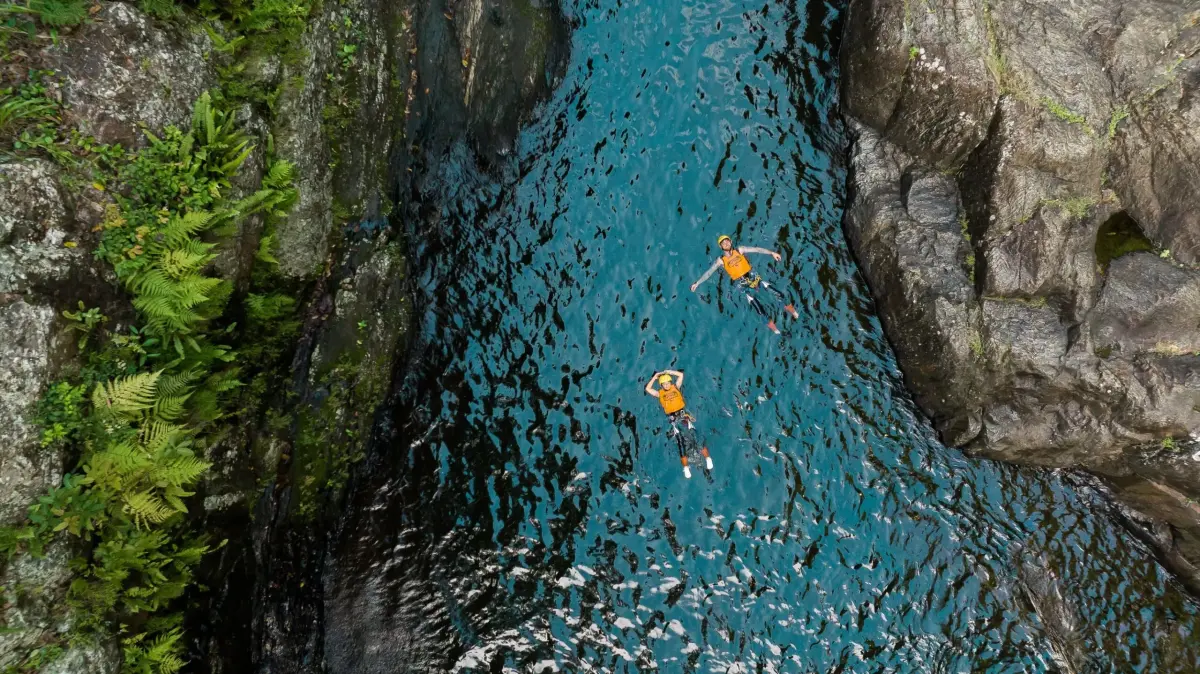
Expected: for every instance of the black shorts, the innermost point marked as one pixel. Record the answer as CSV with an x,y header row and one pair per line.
x,y
681,417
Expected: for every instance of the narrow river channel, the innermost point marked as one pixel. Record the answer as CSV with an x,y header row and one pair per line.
x,y
531,514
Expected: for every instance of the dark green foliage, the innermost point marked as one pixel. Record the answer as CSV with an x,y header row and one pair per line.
x,y
159,655
60,414
28,116
25,16
161,9
277,22
140,411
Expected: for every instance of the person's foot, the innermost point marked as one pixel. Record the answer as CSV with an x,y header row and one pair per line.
x,y
792,310
771,324
687,472
707,458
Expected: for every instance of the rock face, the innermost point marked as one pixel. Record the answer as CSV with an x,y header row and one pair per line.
x,y
423,81
376,91
1008,160
122,69
37,272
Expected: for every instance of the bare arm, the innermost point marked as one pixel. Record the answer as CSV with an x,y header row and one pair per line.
x,y
715,265
760,251
650,385
678,377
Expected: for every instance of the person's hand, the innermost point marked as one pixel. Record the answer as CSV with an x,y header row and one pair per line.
x,y
694,286
777,256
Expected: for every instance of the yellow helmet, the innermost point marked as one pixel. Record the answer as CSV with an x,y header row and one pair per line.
x,y
723,238
665,379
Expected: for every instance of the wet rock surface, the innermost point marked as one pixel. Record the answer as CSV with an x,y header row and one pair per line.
x,y
993,141
421,82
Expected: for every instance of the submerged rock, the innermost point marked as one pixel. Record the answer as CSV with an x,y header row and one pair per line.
x,y
1004,155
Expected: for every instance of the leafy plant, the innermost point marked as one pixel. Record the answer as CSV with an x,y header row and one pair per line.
x,y
161,655
27,113
86,321
23,16
161,9
60,413
1119,113
139,413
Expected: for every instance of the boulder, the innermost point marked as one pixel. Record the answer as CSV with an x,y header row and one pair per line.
x,y
1052,119
121,70
903,223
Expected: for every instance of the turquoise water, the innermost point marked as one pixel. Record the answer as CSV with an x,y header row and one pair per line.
x,y
530,513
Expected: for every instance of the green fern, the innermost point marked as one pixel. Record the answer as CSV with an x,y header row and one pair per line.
x,y
125,397
162,655
146,509
141,441
53,13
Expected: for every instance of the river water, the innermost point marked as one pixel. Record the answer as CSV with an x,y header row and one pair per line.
x,y
529,512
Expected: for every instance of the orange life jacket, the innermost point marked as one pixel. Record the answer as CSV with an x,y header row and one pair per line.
x,y
671,399
736,264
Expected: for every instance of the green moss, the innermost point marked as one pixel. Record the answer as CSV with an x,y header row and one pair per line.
x,y
1104,351
1066,114
1119,113
331,433
976,345
1119,235
1076,206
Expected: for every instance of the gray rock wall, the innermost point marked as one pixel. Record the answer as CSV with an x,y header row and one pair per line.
x,y
993,140
377,84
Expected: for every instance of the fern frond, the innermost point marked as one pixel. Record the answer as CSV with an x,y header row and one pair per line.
x,y
126,396
159,437
164,315
265,246
126,459
180,472
179,263
203,116
195,247
280,175
169,408
178,384
145,508
240,153
180,229
268,307
152,282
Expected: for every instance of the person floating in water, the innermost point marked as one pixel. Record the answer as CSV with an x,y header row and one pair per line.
x,y
739,270
671,399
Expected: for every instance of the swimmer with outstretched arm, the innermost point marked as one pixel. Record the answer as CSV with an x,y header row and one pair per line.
x,y
671,399
740,272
